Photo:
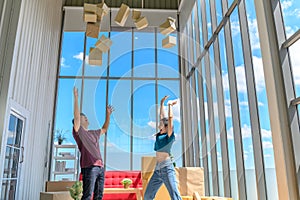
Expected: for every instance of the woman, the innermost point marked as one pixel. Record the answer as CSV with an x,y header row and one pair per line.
x,y
164,170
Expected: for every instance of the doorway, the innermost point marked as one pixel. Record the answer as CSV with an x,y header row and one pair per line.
x,y
13,159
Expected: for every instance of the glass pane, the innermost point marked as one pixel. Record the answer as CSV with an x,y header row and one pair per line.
x,y
208,19
95,70
144,54
8,189
291,14
167,59
11,162
219,11
263,110
15,129
72,54
118,139
144,121
64,107
294,56
121,54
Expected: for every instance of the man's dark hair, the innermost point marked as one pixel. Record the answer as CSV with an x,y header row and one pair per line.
x,y
81,114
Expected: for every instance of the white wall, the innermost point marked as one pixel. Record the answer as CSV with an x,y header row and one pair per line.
x,y
32,85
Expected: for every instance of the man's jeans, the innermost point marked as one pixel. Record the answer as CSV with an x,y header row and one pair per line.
x,y
93,181
164,173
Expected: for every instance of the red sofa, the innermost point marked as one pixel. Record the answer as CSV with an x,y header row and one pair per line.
x,y
113,180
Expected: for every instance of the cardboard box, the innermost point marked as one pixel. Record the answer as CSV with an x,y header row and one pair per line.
x,y
91,8
141,23
186,197
122,15
102,10
196,196
169,42
103,44
136,14
55,196
95,57
168,26
191,179
54,186
89,17
93,29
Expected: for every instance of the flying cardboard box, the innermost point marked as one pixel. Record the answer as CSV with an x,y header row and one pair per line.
x,y
122,15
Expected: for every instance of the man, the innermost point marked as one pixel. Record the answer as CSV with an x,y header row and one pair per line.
x,y
91,163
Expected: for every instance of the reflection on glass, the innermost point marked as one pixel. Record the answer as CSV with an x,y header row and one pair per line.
x,y
72,54
121,54
144,54
118,140
8,189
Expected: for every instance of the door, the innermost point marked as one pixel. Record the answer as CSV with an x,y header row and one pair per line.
x,y
13,157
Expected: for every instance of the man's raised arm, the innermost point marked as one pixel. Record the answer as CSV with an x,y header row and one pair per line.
x,y
76,110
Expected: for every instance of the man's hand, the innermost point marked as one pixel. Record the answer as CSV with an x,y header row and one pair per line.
x,y
109,109
75,91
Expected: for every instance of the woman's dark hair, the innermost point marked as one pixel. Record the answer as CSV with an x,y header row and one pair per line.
x,y
165,121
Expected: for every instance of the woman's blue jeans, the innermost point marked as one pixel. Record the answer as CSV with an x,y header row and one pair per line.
x,y
164,173
93,181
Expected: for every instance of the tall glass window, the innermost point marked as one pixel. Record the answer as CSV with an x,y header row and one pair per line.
x,y
133,77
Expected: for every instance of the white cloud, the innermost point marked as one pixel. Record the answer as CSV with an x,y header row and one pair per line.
x,y
79,56
63,63
267,155
286,4
266,133
246,132
253,31
267,145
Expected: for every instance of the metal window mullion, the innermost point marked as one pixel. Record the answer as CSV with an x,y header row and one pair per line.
x,y
221,108
292,39
107,89
132,99
192,87
194,133
253,105
238,140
